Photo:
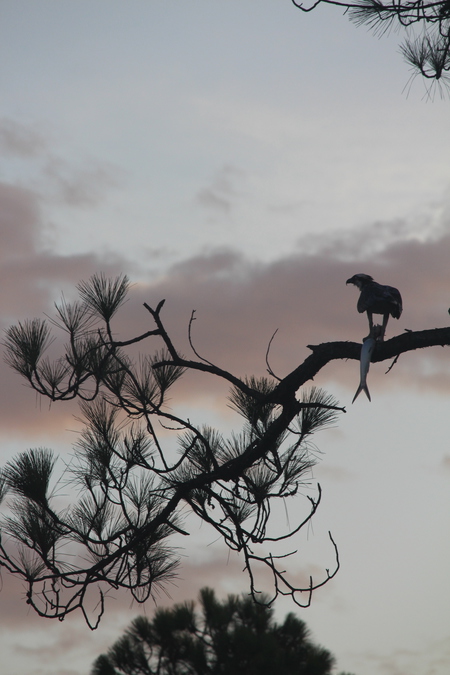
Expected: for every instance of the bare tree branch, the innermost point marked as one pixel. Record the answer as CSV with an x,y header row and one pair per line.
x,y
428,53
134,489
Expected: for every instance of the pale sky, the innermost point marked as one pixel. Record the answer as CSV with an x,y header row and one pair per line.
x,y
243,159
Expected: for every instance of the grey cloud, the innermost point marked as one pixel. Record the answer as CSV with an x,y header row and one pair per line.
x,y
20,140
375,239
429,657
210,198
85,186
291,208
80,186
223,190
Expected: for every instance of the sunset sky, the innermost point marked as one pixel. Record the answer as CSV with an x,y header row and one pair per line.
x,y
242,159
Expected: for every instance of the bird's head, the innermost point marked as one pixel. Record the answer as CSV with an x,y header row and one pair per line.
x,y
360,280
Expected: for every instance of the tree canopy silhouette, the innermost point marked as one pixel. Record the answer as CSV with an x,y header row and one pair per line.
x,y
139,466
232,637
426,47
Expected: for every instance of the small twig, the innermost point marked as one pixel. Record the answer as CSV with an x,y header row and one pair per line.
x,y
392,364
191,321
162,331
269,369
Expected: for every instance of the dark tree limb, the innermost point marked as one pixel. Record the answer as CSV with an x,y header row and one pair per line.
x,y
133,491
326,352
427,52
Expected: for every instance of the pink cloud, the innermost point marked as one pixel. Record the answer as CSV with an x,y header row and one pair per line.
x,y
239,305
32,279
19,214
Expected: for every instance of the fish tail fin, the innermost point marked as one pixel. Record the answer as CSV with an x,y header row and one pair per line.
x,y
358,391
361,388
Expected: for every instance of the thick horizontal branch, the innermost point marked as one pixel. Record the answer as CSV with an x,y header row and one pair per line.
x,y
331,351
321,355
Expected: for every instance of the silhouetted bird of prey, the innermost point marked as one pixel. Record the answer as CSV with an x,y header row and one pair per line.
x,y
377,299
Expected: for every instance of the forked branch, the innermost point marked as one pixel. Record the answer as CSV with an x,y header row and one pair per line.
x,y
140,466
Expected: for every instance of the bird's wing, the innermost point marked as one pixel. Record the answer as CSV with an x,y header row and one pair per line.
x,y
380,298
393,296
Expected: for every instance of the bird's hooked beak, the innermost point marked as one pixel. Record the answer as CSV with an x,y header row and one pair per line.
x,y
355,280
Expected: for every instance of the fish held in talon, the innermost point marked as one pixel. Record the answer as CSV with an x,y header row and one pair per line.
x,y
367,348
